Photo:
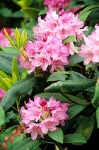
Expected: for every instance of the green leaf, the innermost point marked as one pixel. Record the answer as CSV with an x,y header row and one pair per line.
x,y
97,116
18,89
87,2
5,65
3,74
10,115
58,96
23,38
70,86
6,55
23,3
95,100
8,82
57,76
5,12
10,50
85,13
3,84
57,135
76,100
74,110
28,31
75,75
18,36
84,16
15,70
18,14
24,73
71,38
31,12
9,38
75,138
2,116
27,144
17,139
74,59
86,127
42,12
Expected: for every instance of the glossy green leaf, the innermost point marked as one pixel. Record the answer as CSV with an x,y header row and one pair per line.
x,y
70,86
10,50
8,82
75,138
5,65
87,2
97,116
31,12
74,59
5,12
2,116
23,3
75,75
27,144
24,38
24,73
84,16
28,31
18,36
57,76
10,116
42,12
3,84
57,135
3,74
18,89
76,100
74,110
71,38
85,13
86,127
58,96
9,38
95,99
18,14
17,139
15,70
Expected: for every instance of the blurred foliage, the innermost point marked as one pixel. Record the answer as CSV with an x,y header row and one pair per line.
x,y
24,13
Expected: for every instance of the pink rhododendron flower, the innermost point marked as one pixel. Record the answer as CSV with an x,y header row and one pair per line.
x,y
2,93
48,51
61,25
90,50
41,116
59,5
3,39
56,4
24,61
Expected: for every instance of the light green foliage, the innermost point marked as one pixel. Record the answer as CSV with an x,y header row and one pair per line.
x,y
57,135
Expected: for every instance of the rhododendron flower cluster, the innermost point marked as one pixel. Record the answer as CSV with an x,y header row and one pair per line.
x,y
61,25
48,50
44,54
3,39
56,4
2,93
90,50
59,5
41,116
